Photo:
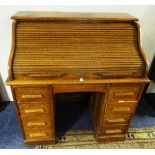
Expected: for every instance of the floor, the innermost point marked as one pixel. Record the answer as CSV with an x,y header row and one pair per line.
x,y
10,135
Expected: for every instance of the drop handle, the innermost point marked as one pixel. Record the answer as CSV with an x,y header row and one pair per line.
x,y
121,109
116,120
38,134
113,131
29,124
32,96
34,110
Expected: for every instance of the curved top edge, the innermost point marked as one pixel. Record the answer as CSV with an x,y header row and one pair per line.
x,y
43,15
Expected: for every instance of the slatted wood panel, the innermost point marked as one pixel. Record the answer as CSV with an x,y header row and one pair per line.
x,y
89,49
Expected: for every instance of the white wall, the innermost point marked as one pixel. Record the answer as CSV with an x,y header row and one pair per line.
x,y
146,15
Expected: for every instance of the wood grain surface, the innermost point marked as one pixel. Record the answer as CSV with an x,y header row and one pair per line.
x,y
55,53
73,51
44,15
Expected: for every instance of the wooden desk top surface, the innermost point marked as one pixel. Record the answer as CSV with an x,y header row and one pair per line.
x,y
43,15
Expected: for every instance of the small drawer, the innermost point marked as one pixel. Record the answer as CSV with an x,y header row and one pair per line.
x,y
111,119
32,109
124,92
42,122
32,94
39,134
113,129
120,108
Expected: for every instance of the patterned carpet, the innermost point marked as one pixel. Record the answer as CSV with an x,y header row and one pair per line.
x,y
137,138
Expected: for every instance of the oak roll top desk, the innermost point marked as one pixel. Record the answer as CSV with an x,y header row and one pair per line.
x,y
54,52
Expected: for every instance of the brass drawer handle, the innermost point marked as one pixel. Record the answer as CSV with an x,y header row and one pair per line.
x,y
29,124
129,102
118,94
116,120
32,96
38,134
113,131
121,109
34,110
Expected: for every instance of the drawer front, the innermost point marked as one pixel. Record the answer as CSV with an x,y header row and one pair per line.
x,y
42,122
113,129
32,109
124,92
120,108
79,88
39,134
32,94
110,119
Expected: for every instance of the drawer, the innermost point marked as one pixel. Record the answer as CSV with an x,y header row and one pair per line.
x,y
32,94
39,134
111,119
120,108
124,92
79,88
113,129
42,122
27,109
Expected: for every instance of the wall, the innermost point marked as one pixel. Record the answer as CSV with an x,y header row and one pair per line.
x,y
145,14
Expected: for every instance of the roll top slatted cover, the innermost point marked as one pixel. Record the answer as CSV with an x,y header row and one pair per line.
x,y
74,45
